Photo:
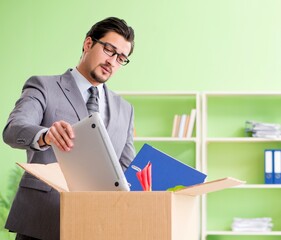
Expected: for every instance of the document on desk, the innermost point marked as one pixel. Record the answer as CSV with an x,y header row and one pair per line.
x,y
166,171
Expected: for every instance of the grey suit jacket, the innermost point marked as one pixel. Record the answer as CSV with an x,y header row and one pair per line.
x,y
44,100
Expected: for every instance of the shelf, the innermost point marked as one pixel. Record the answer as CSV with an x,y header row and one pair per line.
x,y
258,186
240,139
250,94
273,233
172,94
164,139
262,186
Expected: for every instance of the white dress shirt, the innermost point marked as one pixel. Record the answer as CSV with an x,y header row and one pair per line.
x,y
83,85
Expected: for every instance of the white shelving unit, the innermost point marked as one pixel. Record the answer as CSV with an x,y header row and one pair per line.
x,y
217,114
229,108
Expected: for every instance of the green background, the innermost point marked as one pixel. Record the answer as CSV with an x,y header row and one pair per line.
x,y
182,45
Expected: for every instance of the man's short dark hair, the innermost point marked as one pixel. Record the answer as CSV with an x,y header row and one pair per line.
x,y
112,24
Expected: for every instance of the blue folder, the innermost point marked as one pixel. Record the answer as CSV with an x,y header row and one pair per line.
x,y
277,166
268,166
167,172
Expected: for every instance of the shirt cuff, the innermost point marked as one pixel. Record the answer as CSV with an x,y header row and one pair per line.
x,y
35,144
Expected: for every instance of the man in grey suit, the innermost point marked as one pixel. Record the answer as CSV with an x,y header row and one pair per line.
x,y
45,111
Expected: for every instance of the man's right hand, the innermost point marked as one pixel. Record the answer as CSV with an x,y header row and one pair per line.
x,y
61,134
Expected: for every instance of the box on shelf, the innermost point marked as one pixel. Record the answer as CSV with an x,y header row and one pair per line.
x,y
159,215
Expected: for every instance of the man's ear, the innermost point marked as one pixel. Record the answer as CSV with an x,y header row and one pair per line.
x,y
88,43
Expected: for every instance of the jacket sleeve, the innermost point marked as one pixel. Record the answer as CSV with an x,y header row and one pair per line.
x,y
25,119
128,152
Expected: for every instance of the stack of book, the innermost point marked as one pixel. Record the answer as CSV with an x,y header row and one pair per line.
x,y
252,225
183,125
263,130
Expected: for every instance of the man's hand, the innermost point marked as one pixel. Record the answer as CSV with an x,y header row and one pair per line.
x,y
60,134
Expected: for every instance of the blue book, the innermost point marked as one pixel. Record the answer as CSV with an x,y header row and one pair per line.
x,y
277,166
268,166
167,172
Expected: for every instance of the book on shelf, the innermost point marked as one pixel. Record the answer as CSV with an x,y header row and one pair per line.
x,y
186,125
176,124
183,125
191,123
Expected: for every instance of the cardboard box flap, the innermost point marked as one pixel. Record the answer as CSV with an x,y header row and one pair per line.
x,y
48,173
52,175
211,186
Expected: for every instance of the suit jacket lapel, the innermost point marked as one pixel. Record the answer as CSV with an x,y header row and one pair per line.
x,y
69,87
71,91
113,109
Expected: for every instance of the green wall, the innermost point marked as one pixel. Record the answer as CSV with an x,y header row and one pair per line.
x,y
185,45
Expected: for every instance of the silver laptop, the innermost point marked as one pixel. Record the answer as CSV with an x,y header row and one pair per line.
x,y
92,164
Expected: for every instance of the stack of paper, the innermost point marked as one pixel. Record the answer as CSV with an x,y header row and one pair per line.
x,y
263,130
252,225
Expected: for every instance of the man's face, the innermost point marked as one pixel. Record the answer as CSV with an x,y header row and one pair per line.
x,y
95,64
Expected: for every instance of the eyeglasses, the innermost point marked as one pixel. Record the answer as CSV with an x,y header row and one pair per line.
x,y
110,50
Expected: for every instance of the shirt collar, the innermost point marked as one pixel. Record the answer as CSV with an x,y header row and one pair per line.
x,y
83,84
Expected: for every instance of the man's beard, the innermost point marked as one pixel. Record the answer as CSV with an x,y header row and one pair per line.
x,y
97,78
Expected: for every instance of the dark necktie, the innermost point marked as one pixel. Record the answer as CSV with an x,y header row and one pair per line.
x,y
93,101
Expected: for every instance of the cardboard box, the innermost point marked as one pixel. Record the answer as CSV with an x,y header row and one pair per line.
x,y
152,215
